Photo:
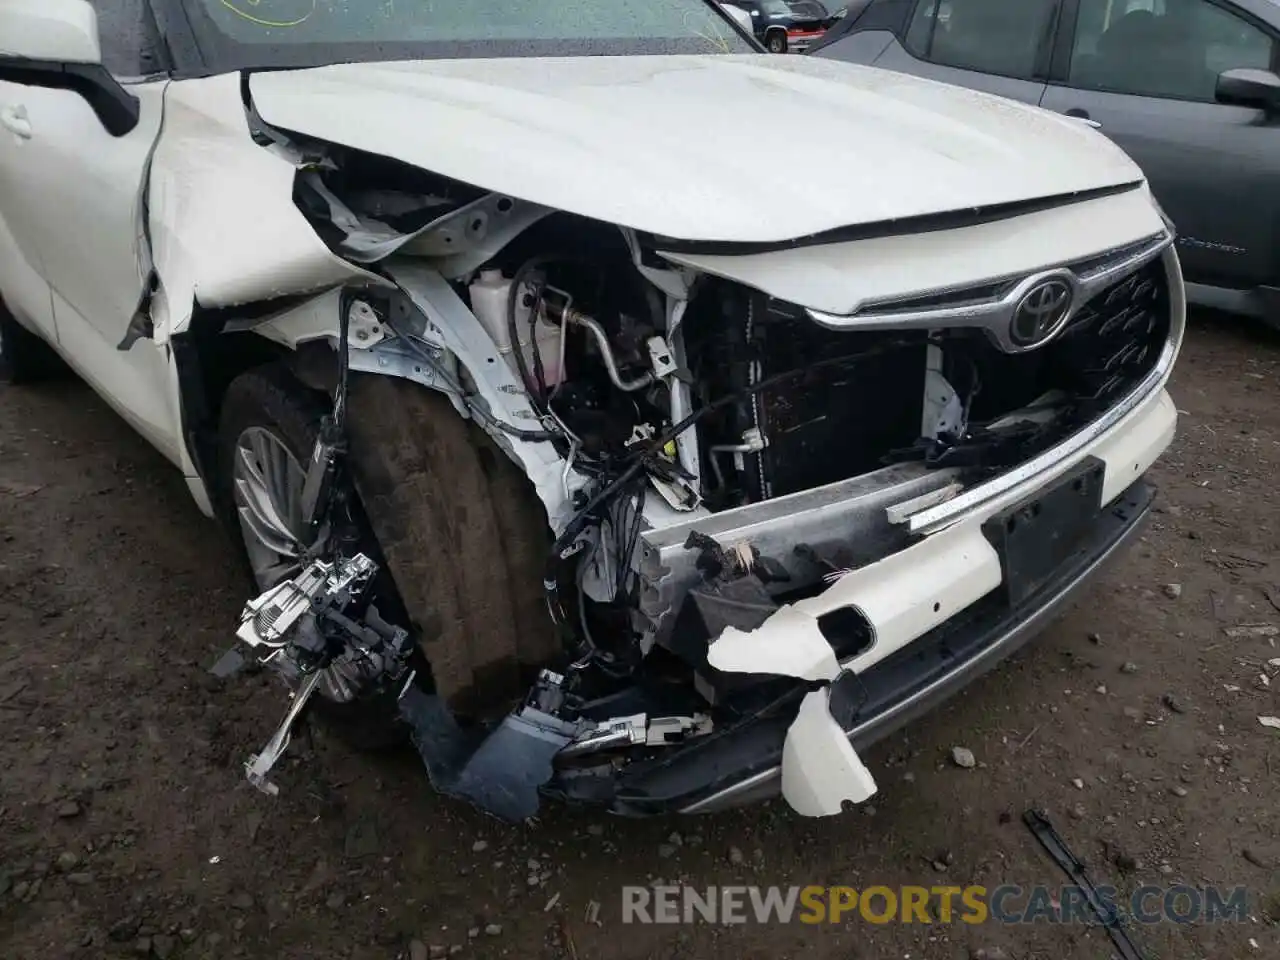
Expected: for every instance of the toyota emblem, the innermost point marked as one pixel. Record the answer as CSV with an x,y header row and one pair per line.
x,y
1040,313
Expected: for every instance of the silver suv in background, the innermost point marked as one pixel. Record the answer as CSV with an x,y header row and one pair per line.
x,y
1189,88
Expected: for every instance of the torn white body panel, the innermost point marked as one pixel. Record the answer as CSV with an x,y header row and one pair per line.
x,y
224,228
821,771
806,654
669,145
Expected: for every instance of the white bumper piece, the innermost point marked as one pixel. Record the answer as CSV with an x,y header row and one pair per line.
x,y
821,771
903,597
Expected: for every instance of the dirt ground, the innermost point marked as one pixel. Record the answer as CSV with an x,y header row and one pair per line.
x,y
126,827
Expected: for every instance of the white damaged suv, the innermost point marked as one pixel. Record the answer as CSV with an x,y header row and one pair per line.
x,y
563,433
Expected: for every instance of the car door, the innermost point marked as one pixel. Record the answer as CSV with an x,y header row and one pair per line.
x,y
23,288
80,208
997,46
1145,71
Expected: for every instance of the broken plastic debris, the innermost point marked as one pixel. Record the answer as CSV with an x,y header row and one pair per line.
x,y
788,644
500,772
820,769
1272,722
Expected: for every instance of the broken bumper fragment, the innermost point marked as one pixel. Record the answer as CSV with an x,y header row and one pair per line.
x,y
798,756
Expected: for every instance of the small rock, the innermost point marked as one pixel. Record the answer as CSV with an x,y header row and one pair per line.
x,y
963,757
437,952
1166,869
1078,783
242,901
79,879
666,850
1173,703
1133,713
361,840
735,856
675,840
493,930
989,953
480,846
187,935
142,946
67,860
1172,590
335,900
595,829
417,950
1079,812
1179,791
940,866
1248,853
473,933
908,777
68,810
1101,688
1095,638
1129,667
455,949
163,945
1124,862
20,890
123,929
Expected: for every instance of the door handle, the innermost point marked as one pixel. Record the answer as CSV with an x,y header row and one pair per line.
x,y
14,119
1083,117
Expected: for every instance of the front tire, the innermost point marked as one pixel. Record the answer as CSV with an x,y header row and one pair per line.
x,y
465,538
776,42
459,532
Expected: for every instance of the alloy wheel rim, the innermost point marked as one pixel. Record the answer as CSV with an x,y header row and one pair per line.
x,y
267,482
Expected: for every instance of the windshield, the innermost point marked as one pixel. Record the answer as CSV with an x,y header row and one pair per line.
x,y
810,8
776,8
234,34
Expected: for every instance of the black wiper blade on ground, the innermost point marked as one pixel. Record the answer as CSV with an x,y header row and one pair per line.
x,y
1073,868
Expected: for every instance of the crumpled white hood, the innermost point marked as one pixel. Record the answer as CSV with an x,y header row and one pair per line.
x,y
718,148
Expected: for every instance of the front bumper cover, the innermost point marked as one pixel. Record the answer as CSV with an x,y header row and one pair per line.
x,y
745,764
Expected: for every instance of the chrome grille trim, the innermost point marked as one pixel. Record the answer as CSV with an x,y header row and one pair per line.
x,y
1021,479
989,305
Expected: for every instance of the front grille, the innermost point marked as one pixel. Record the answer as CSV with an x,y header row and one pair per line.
x,y
1111,344
856,403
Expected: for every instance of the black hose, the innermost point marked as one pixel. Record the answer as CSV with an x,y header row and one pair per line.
x,y
535,389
